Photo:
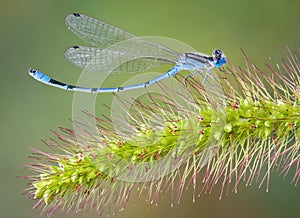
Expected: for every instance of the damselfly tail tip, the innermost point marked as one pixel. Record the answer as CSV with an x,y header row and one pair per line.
x,y
31,71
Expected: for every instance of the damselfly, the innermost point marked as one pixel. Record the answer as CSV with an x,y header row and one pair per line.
x,y
145,54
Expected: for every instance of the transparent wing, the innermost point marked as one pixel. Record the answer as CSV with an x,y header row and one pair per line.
x,y
117,50
106,61
95,32
134,55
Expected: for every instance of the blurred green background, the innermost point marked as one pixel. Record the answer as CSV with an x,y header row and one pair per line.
x,y
33,34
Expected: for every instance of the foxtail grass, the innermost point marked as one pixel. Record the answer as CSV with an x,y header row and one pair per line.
x,y
194,142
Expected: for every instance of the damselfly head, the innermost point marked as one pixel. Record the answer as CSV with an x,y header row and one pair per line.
x,y
218,58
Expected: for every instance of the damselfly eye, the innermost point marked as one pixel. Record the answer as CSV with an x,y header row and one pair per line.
x,y
217,53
